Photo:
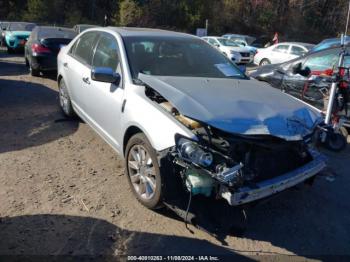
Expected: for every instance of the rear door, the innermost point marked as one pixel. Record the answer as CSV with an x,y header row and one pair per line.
x,y
78,64
279,54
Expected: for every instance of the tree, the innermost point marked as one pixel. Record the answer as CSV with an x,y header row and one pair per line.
x,y
130,13
37,10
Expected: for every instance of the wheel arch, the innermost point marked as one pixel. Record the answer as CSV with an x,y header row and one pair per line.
x,y
59,78
130,131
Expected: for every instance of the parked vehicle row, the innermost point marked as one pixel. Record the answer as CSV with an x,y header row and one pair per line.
x,y
41,44
186,120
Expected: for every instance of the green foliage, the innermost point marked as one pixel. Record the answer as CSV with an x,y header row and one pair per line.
x,y
130,13
295,19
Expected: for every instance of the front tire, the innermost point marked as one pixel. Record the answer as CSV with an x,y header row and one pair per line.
x,y
143,171
264,62
10,50
65,101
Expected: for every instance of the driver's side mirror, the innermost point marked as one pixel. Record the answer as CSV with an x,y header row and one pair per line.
x,y
216,45
297,69
105,74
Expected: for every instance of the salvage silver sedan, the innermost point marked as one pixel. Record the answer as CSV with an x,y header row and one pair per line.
x,y
184,118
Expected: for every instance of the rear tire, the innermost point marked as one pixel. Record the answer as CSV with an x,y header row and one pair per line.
x,y
34,72
335,142
143,172
264,62
64,98
27,62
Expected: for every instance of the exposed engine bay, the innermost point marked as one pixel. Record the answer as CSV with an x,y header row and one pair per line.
x,y
233,161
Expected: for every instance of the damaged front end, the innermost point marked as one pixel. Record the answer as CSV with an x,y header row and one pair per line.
x,y
238,168
242,170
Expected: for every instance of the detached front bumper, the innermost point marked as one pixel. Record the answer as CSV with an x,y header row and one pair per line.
x,y
269,187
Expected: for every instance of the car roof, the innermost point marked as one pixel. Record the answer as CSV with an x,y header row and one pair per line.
x,y
236,35
137,31
212,37
300,43
295,43
58,28
86,25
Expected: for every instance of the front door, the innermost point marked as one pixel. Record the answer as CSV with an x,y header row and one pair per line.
x,y
104,100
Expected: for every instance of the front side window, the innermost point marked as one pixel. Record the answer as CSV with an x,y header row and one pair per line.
x,y
83,50
281,49
239,42
227,42
177,56
106,54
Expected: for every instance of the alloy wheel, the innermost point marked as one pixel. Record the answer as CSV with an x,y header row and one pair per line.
x,y
142,172
64,100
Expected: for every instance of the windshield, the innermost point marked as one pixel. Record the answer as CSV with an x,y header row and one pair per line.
x,y
309,47
329,43
175,56
21,27
227,42
56,33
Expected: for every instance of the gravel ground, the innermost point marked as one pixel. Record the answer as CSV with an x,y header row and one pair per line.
x,y
63,192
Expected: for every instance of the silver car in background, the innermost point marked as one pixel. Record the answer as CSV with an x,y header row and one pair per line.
x,y
280,53
185,118
238,54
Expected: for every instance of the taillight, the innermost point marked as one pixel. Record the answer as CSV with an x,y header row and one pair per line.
x,y
37,48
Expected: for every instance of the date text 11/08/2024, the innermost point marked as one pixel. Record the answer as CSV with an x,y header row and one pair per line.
x,y
173,258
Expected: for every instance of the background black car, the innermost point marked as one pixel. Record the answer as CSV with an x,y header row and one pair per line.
x,y
43,46
3,28
281,76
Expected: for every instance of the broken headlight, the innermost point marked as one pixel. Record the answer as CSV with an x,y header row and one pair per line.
x,y
192,152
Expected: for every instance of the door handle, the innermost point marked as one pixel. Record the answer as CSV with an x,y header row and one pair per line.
x,y
86,80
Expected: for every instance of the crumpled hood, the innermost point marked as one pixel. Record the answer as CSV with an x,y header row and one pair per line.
x,y
236,106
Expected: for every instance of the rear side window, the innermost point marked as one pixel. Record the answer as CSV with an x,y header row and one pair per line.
x,y
281,49
212,41
83,50
296,50
106,54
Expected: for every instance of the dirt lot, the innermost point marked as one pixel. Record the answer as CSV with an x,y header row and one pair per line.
x,y
62,191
